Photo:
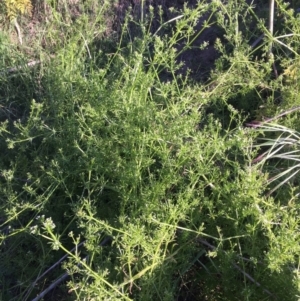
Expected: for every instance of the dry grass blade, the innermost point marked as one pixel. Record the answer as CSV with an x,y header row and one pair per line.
x,y
280,148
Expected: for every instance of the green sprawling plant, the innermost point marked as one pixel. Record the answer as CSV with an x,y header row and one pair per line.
x,y
145,179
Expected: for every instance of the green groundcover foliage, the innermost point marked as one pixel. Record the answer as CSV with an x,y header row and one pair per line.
x,y
147,180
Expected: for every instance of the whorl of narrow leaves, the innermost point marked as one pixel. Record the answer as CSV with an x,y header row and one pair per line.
x,y
16,7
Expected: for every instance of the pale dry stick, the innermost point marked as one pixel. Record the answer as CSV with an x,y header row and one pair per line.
x,y
271,26
271,31
271,22
169,21
16,24
86,46
204,242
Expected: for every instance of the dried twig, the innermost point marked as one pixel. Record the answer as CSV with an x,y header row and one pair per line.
x,y
271,22
18,31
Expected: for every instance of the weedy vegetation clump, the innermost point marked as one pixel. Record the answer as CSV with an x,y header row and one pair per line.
x,y
127,174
